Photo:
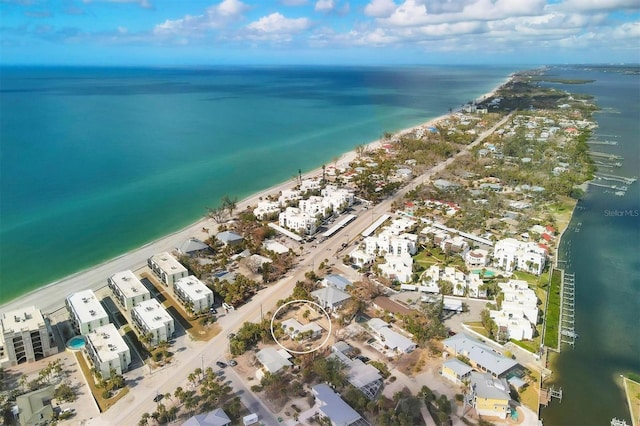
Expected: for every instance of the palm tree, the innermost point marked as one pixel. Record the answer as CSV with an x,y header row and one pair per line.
x,y
144,420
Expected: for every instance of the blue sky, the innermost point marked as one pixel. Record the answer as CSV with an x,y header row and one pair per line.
x,y
186,32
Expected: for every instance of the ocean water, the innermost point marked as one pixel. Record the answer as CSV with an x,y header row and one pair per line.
x,y
604,255
98,161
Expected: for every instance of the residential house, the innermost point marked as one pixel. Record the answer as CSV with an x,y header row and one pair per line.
x,y
481,356
389,338
332,406
108,350
34,408
229,238
167,268
193,247
330,298
511,254
216,417
26,337
151,318
273,360
456,371
366,378
194,293
490,395
385,304
294,329
337,281
476,258
86,311
127,289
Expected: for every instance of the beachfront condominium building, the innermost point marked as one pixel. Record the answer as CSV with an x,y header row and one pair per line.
x,y
86,312
296,220
167,268
128,289
26,337
108,350
152,319
193,293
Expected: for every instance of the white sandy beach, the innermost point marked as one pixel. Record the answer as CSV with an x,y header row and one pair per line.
x,y
51,297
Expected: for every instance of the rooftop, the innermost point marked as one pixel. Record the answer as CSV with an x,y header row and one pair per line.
x,y
334,407
330,296
337,281
86,306
29,318
128,284
152,314
192,245
486,386
457,366
168,263
193,287
274,360
107,342
387,304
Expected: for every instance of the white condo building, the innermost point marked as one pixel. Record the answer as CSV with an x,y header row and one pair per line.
x,y
338,198
151,318
86,311
295,219
266,209
519,310
191,290
25,337
167,268
108,350
128,289
511,254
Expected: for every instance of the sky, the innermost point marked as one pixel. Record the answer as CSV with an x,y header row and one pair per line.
x,y
359,32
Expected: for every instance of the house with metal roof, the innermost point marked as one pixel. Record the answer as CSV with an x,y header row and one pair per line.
x,y
332,406
456,371
389,338
364,377
490,395
229,238
34,408
330,298
481,356
193,247
337,281
216,417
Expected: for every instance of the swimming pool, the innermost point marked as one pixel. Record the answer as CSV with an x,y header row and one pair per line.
x,y
76,343
487,273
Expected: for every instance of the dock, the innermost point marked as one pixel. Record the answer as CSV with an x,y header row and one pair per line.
x,y
547,394
596,142
616,178
567,333
606,156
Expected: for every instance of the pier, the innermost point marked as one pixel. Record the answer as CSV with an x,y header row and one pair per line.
x,y
596,142
567,333
606,156
616,178
546,394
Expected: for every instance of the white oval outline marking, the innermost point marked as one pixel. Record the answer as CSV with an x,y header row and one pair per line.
x,y
273,317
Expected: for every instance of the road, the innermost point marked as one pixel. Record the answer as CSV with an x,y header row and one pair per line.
x,y
129,410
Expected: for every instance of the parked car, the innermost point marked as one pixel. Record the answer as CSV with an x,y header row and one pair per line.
x,y
221,364
213,310
232,362
158,397
363,358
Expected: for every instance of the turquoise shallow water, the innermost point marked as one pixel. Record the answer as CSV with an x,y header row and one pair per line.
x,y
604,257
98,161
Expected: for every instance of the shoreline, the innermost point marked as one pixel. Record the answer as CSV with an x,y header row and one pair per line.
x,y
50,297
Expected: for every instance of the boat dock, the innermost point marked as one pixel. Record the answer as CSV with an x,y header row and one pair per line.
x,y
567,333
606,156
596,142
615,178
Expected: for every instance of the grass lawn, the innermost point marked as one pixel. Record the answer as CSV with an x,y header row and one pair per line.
x,y
530,395
529,345
478,328
103,403
632,389
553,312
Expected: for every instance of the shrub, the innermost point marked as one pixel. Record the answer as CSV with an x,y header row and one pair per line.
x,y
106,394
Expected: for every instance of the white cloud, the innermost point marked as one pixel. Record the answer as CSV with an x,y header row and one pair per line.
x,y
380,8
276,23
324,6
599,5
293,2
417,12
216,16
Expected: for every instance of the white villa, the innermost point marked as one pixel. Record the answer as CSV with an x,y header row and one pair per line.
x,y
462,283
289,195
86,311
297,220
151,318
167,268
511,254
107,350
337,198
127,289
25,337
266,209
519,313
477,258
192,291
398,267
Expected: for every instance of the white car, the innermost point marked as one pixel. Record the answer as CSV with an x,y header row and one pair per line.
x,y
228,307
